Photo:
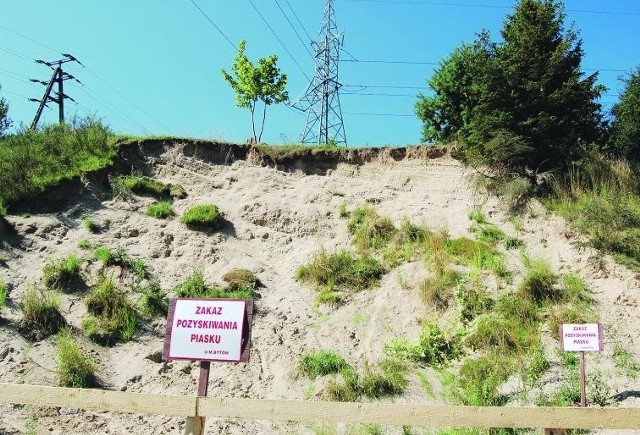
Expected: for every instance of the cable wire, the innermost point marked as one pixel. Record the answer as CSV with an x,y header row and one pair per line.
x,y
214,25
300,22
294,29
279,40
30,39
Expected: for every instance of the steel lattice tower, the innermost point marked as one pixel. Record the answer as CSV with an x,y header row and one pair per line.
x,y
321,101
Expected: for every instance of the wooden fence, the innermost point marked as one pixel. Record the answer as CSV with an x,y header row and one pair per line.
x,y
323,412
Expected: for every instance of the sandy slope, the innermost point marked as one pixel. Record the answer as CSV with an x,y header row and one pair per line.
x,y
277,220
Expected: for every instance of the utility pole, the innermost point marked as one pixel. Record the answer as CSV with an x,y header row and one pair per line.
x,y
321,101
58,77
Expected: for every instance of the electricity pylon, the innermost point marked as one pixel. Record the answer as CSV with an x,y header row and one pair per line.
x,y
321,101
59,76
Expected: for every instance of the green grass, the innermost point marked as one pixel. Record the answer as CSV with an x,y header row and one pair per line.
x,y
472,300
153,301
438,290
335,192
111,317
340,271
370,231
90,225
63,275
119,257
433,348
479,380
477,216
75,369
41,315
32,161
239,286
4,293
388,378
149,187
540,283
600,198
322,363
202,216
160,210
503,335
240,278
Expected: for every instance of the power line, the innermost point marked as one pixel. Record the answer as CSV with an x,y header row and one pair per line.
x,y
15,53
125,97
299,22
214,25
393,62
14,93
379,114
278,38
294,29
32,40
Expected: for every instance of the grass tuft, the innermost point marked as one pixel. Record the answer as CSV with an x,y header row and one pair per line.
x,y
202,216
63,275
90,225
75,369
539,283
340,271
160,210
41,315
4,293
322,363
153,301
111,317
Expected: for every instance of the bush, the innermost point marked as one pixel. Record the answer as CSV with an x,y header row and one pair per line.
x,y
154,301
472,300
63,275
480,378
160,210
75,369
512,306
40,315
202,216
33,160
437,291
502,335
340,271
240,279
192,287
435,349
322,363
111,316
388,379
539,283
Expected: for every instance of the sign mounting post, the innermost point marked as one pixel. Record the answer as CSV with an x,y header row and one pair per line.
x,y
582,338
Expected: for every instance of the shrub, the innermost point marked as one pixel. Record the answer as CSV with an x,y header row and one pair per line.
x,y
477,216
160,210
322,363
192,287
154,301
472,300
33,160
388,379
110,315
75,369
539,283
40,315
512,306
341,271
435,349
145,186
480,378
501,335
62,275
205,216
370,231
239,279
437,290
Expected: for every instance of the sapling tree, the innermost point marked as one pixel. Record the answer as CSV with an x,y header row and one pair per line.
x,y
5,122
253,83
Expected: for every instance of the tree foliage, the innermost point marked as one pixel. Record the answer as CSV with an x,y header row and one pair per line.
x,y
252,83
522,104
5,122
626,125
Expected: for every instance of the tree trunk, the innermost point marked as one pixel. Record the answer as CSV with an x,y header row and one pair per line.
x,y
253,124
264,116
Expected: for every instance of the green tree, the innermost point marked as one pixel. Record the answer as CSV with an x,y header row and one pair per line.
x,y
521,104
5,122
252,83
626,125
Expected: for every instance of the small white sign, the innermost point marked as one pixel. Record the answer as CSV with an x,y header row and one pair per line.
x,y
205,329
586,337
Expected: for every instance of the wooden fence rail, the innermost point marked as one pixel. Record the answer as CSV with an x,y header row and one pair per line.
x,y
323,412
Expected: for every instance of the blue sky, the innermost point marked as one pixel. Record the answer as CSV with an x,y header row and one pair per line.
x,y
153,66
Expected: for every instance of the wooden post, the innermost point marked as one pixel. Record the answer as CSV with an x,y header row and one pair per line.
x,y
583,383
195,424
